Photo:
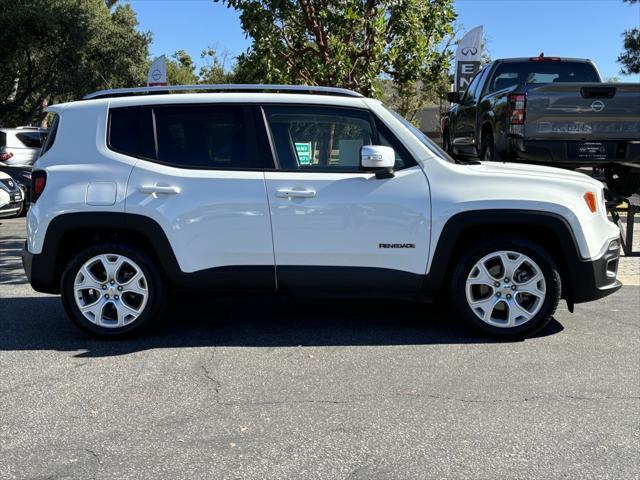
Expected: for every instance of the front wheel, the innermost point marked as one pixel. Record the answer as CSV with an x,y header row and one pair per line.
x,y
506,287
112,290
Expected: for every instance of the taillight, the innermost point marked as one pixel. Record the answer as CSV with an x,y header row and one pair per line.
x,y
517,106
5,156
38,182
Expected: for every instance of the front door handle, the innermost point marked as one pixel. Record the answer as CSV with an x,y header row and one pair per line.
x,y
292,193
151,189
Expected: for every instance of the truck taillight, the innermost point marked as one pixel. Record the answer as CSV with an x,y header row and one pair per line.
x,y
517,106
38,182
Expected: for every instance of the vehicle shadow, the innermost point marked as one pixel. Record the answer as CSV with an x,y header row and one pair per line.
x,y
39,323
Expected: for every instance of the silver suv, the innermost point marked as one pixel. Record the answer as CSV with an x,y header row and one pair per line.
x,y
21,146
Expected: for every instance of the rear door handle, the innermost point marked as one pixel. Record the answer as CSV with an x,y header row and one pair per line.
x,y
167,190
292,193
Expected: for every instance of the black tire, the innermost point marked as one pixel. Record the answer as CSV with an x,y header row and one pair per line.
x,y
622,180
473,254
488,148
155,303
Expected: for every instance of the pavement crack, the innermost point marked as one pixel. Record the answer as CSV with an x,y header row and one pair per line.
x,y
94,454
217,385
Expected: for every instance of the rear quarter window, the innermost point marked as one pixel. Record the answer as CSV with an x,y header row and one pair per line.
x,y
30,139
51,136
131,131
3,139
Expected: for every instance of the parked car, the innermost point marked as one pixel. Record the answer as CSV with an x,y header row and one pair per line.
x,y
301,190
16,197
21,146
552,111
4,198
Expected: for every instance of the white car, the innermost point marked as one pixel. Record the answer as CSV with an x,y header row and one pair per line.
x,y
21,146
14,196
303,190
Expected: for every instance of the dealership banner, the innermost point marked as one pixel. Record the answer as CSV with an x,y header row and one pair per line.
x,y
468,58
157,75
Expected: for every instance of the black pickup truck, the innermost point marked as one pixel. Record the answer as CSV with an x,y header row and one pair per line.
x,y
549,110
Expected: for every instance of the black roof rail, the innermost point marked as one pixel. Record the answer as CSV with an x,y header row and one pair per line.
x,y
306,89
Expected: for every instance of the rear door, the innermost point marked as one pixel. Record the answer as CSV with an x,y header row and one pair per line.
x,y
336,227
201,179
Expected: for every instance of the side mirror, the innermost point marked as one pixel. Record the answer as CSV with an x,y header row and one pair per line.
x,y
453,97
379,159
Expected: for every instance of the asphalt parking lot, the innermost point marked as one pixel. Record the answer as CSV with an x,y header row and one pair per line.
x,y
275,388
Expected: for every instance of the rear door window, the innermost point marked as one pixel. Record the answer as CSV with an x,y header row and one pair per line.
x,y
207,137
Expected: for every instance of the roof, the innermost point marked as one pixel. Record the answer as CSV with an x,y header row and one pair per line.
x,y
300,89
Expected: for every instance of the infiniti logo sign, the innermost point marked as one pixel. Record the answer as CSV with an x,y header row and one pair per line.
x,y
597,106
469,51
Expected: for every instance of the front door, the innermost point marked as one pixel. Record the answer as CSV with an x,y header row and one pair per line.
x,y
336,227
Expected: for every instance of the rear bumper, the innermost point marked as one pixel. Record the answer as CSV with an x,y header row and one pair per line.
x,y
558,152
40,271
596,278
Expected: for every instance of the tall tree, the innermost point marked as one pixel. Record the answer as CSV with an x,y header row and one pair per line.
x,y
630,58
180,69
58,50
346,43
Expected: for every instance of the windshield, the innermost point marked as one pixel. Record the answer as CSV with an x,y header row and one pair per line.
x,y
423,138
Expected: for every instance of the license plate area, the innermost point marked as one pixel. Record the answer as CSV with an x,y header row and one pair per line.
x,y
591,150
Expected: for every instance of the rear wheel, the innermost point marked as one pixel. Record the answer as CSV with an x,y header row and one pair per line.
x,y
112,290
488,148
507,287
622,180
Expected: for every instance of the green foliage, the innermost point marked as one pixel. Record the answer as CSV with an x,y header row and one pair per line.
x,y
630,58
347,43
59,50
180,69
214,69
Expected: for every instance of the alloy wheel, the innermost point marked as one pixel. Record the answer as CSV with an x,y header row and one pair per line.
x,y
111,290
505,289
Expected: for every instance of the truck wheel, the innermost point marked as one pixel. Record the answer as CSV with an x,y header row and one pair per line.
x,y
507,287
112,290
622,180
488,148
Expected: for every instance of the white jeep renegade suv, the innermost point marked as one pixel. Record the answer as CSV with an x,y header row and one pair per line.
x,y
304,190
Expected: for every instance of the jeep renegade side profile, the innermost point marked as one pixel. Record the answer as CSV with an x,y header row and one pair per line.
x,y
305,190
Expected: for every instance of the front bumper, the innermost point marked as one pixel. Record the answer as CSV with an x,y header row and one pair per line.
x,y
596,278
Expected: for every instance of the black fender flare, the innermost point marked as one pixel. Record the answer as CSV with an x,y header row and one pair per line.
x,y
455,227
